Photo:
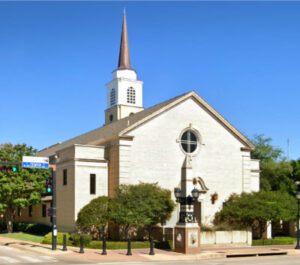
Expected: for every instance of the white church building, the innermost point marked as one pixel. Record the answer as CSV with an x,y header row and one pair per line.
x,y
150,145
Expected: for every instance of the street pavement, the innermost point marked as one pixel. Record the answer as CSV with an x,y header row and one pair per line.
x,y
283,260
13,251
9,255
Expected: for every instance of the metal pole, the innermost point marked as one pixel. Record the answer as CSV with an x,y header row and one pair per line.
x,y
298,232
104,246
151,246
129,247
64,243
81,245
54,230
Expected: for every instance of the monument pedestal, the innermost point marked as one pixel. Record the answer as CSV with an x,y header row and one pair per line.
x,y
187,238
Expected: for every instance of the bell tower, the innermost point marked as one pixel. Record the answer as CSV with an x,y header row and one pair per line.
x,y
124,92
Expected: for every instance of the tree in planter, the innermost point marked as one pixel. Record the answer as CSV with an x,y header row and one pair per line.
x,y
22,188
261,207
140,205
94,216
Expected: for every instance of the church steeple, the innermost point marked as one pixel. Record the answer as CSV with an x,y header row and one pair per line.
x,y
124,58
124,92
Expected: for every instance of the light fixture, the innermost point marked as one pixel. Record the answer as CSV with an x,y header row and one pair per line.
x,y
177,192
195,193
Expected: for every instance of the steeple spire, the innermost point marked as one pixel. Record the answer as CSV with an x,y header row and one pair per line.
x,y
124,58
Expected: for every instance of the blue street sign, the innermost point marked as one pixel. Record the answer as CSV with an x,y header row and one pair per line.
x,y
35,162
35,165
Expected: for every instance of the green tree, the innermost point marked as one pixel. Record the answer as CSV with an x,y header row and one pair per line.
x,y
264,150
22,188
94,216
276,173
144,204
295,175
261,207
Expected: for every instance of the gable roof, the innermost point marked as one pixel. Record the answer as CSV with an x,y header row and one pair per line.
x,y
122,127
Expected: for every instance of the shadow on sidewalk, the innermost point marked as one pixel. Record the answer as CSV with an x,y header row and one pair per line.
x,y
25,244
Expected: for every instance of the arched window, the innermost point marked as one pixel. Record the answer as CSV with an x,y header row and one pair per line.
x,y
131,95
112,97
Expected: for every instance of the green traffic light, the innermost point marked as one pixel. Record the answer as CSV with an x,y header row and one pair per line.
x,y
49,189
14,169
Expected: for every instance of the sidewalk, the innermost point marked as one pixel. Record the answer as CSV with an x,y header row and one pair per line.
x,y
208,252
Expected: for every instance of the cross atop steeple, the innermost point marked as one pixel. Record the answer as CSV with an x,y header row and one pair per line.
x,y
124,58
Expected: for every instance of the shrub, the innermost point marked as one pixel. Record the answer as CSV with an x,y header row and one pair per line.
x,y
119,244
206,228
59,240
75,238
36,229
168,244
2,226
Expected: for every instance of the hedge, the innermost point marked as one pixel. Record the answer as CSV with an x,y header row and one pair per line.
x,y
274,241
74,240
35,229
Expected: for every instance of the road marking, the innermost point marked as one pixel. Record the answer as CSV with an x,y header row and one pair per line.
x,y
30,259
9,259
48,258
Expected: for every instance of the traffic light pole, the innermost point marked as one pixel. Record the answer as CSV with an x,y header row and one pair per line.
x,y
53,205
53,202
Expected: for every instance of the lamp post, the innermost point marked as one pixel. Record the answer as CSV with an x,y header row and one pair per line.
x,y
187,214
298,219
187,230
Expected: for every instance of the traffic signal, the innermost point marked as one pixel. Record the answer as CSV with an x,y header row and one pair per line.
x,y
9,169
51,211
48,185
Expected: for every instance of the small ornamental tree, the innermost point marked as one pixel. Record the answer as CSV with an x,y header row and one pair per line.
x,y
261,207
94,216
139,205
21,188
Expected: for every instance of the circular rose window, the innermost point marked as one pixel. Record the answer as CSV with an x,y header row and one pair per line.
x,y
189,141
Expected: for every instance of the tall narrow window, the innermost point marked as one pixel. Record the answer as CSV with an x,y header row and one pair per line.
x,y
131,95
65,177
112,97
92,183
44,210
30,211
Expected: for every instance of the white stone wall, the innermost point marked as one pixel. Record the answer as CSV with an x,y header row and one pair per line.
x,y
80,161
226,237
83,169
156,156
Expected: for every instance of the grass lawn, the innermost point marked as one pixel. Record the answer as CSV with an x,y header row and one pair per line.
x,y
24,236
274,241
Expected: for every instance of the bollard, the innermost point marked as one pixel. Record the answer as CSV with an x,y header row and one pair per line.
x,y
129,247
151,246
81,245
104,246
64,243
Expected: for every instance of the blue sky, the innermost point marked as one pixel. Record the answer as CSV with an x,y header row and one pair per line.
x,y
243,58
